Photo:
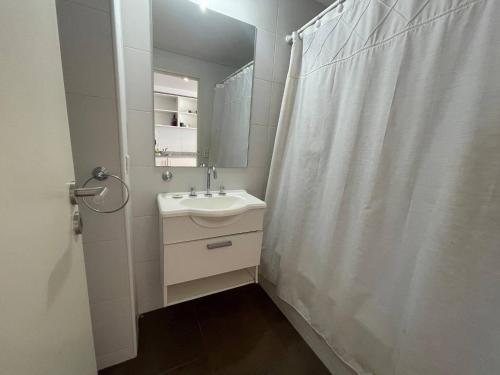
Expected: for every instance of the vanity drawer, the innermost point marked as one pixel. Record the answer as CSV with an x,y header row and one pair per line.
x,y
188,228
196,259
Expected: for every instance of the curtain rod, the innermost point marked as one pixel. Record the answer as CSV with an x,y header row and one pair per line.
x,y
332,6
236,72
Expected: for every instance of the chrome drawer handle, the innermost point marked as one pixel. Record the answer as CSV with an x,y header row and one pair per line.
x,y
216,245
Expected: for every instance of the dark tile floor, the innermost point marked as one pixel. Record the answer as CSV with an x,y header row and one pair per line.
x,y
240,332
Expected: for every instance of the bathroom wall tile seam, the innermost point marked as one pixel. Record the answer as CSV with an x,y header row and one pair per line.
x,y
137,48
106,240
88,6
72,92
92,242
140,110
108,300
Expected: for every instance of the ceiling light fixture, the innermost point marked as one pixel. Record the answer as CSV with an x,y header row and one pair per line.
x,y
203,5
186,79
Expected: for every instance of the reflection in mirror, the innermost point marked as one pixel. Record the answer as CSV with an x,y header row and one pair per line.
x,y
176,119
203,79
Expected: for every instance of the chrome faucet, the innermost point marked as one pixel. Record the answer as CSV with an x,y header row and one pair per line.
x,y
210,171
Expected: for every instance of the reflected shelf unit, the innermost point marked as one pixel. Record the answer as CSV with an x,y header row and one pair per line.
x,y
185,109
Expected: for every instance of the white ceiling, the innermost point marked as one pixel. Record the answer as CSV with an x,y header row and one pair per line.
x,y
171,83
181,27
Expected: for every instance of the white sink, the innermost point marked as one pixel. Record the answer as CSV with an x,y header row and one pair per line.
x,y
233,203
223,202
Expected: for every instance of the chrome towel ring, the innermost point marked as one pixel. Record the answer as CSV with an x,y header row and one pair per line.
x,y
101,174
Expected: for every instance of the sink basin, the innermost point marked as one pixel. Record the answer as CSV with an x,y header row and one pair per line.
x,y
233,203
213,203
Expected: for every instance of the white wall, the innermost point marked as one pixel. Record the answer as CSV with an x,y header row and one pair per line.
x,y
176,138
88,65
273,19
208,74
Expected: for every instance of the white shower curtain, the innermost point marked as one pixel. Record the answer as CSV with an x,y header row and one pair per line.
x,y
383,226
231,120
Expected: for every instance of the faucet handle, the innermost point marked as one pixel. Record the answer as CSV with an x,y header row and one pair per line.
x,y
192,193
221,190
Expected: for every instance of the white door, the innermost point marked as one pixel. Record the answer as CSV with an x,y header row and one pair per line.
x,y
45,323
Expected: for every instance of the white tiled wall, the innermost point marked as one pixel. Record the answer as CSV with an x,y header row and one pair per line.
x,y
88,66
176,138
273,19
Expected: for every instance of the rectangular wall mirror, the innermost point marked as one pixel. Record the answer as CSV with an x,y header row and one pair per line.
x,y
203,70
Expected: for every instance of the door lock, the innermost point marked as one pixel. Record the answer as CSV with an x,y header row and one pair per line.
x,y
77,222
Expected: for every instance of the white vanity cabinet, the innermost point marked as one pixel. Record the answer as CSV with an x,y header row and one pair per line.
x,y
209,244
